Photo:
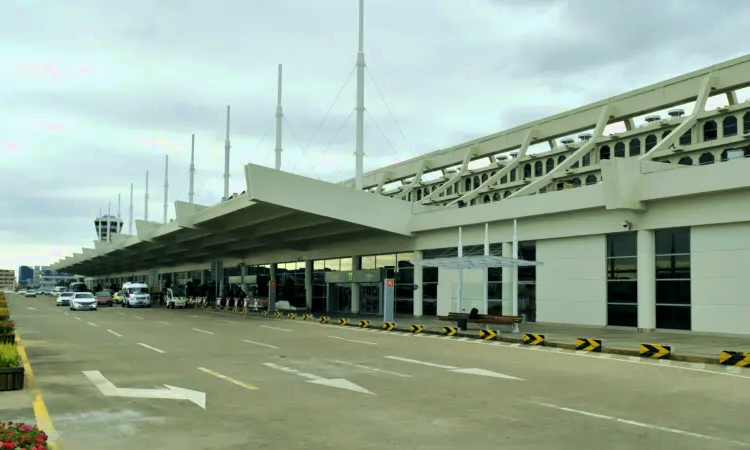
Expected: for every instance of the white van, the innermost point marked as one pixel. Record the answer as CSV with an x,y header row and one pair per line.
x,y
135,294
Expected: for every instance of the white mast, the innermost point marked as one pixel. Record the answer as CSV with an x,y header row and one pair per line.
x,y
166,186
192,170
146,199
279,117
460,271
226,160
108,216
485,271
359,152
515,274
130,219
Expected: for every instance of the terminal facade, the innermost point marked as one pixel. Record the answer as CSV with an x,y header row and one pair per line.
x,y
636,206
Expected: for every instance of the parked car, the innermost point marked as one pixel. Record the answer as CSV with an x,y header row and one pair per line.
x,y
175,298
117,298
83,301
30,294
104,298
64,298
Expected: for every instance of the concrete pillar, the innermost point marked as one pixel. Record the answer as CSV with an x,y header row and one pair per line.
x,y
243,272
507,281
219,277
418,280
309,283
203,276
272,289
356,265
646,276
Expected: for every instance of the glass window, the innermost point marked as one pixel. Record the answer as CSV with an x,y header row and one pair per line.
x,y
332,264
730,126
538,169
673,317
550,164
622,268
527,251
405,276
706,158
710,131
604,152
430,274
622,315
622,292
687,138
635,147
622,244
346,264
670,241
382,261
495,291
620,150
368,262
430,291
671,267
650,141
673,292
494,274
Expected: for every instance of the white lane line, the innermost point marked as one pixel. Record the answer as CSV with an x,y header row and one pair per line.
x,y
151,348
259,343
29,307
350,340
374,369
414,361
140,318
116,334
165,323
67,314
275,328
229,321
645,425
122,314
203,331
77,318
92,324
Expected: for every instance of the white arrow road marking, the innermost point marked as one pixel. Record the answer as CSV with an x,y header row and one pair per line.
x,y
332,382
92,324
107,388
151,348
275,328
259,343
203,331
77,318
644,425
350,340
472,371
229,379
122,314
29,307
374,369
116,334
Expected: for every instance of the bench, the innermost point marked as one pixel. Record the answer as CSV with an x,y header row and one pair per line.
x,y
462,319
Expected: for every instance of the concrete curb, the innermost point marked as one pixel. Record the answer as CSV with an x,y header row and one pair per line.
x,y
511,340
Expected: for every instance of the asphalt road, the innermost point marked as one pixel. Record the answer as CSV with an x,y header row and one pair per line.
x,y
283,384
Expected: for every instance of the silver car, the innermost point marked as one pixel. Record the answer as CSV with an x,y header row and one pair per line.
x,y
83,301
64,298
30,294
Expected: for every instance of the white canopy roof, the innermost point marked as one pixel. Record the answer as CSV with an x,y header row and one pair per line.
x,y
474,262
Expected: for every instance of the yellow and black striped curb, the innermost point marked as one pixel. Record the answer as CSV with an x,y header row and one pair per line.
x,y
589,345
533,339
364,323
277,315
416,329
290,316
655,351
343,322
264,313
449,331
737,359
305,316
487,335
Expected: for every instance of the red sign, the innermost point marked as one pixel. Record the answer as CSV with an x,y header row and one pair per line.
x,y
389,282
272,283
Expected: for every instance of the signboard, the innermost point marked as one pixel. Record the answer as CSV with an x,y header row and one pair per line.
x,y
235,280
355,276
389,305
272,284
389,282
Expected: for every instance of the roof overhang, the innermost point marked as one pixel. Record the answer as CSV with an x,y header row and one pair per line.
x,y
474,262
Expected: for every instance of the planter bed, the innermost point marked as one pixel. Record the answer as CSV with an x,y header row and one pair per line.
x,y
8,338
11,378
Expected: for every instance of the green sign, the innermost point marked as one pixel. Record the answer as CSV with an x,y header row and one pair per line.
x,y
350,276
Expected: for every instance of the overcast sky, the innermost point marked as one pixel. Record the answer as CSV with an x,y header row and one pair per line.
x,y
96,92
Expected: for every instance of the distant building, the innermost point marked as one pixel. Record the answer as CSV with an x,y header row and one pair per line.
x,y
25,275
107,222
46,277
7,279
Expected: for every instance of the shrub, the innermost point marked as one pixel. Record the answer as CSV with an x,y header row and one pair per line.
x,y
7,326
20,436
4,314
9,356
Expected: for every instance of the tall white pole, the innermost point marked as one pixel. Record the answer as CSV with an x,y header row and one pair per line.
x,y
460,272
226,160
166,186
485,272
359,152
130,219
192,169
146,200
279,118
108,222
515,274
119,221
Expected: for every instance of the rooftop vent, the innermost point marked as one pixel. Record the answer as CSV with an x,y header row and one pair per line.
x,y
652,118
677,112
584,136
451,170
567,141
735,153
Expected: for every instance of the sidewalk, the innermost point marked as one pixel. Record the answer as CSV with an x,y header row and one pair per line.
x,y
17,407
686,346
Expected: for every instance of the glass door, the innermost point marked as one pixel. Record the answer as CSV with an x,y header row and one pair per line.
x,y
369,298
343,302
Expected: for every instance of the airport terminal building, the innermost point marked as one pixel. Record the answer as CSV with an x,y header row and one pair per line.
x,y
636,206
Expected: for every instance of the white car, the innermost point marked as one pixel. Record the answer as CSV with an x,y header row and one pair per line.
x,y
64,298
30,294
175,299
83,301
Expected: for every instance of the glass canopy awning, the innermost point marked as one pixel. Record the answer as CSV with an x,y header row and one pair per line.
x,y
474,262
